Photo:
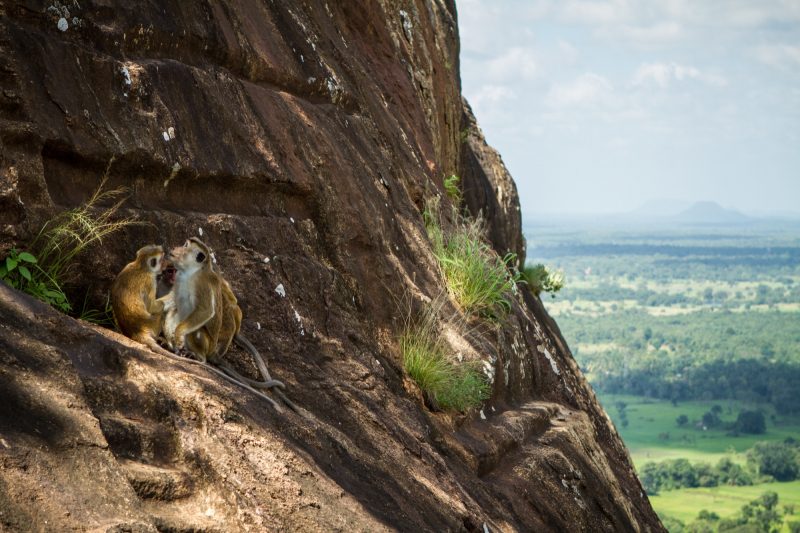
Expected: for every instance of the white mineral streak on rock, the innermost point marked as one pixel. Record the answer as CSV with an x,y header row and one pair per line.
x,y
553,364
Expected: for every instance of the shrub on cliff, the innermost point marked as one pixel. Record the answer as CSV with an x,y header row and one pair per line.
x,y
476,276
447,383
541,279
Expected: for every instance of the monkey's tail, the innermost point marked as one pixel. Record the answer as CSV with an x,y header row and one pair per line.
x,y
245,343
220,373
273,384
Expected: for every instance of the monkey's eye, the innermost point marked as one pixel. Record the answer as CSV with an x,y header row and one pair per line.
x,y
200,257
153,262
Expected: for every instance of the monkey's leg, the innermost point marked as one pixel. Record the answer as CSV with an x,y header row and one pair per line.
x,y
151,343
199,343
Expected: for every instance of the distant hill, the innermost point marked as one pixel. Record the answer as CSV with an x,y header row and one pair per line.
x,y
710,213
660,207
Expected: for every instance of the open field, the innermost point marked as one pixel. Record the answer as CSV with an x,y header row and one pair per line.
x,y
651,420
674,321
685,504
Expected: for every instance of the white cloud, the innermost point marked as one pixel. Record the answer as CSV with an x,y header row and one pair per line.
x,y
513,64
490,94
610,12
587,89
664,74
783,57
669,21
569,54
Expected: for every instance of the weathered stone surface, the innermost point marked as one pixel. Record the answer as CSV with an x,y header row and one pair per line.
x,y
300,140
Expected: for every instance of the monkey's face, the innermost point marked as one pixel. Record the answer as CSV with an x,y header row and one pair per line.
x,y
190,257
168,272
150,257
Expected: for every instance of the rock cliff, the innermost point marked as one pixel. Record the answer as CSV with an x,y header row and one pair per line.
x,y
300,139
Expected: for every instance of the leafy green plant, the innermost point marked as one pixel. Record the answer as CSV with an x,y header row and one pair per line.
x,y
21,270
48,265
541,279
451,188
450,384
476,276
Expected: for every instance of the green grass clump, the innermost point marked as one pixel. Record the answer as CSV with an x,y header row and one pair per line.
x,y
476,276
541,279
47,266
451,188
450,384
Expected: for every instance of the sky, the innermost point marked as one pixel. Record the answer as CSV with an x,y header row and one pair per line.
x,y
600,106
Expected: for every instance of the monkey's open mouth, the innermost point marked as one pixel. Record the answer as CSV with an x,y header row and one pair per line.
x,y
168,273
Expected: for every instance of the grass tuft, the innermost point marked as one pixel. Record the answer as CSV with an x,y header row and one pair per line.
x,y
450,384
68,234
451,188
476,276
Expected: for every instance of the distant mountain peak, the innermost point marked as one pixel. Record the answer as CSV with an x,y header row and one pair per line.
x,y
708,212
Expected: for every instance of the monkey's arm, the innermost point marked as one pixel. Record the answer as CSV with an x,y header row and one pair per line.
x,y
167,302
156,307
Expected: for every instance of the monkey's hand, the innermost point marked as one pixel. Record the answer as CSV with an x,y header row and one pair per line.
x,y
167,302
185,352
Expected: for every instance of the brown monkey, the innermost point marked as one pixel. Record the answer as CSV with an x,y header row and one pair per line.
x,y
206,315
139,314
195,318
133,298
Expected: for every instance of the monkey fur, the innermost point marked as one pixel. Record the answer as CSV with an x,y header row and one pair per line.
x,y
205,316
133,298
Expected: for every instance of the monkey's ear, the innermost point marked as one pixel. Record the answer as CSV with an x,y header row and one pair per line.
x,y
200,257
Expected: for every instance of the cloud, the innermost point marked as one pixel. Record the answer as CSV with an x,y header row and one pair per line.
x,y
782,57
491,94
513,64
587,89
664,74
670,21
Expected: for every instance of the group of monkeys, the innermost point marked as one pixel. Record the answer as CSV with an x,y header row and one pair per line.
x,y
199,316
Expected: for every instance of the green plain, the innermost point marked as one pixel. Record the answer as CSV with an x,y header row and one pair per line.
x,y
649,420
685,504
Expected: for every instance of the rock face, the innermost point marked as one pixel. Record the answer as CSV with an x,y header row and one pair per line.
x,y
301,141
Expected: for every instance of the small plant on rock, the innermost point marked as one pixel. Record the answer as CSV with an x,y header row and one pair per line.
x,y
47,266
476,276
542,279
446,382
451,188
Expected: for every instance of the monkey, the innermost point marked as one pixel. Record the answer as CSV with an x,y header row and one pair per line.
x,y
195,317
139,314
133,298
207,315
